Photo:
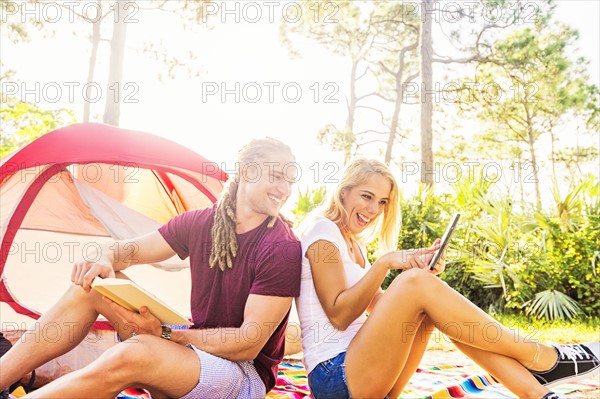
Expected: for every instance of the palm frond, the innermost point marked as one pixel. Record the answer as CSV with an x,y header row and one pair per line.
x,y
553,305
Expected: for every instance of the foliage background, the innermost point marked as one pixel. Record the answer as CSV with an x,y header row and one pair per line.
x,y
530,245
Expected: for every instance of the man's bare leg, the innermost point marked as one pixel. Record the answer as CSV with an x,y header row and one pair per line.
x,y
73,315
166,369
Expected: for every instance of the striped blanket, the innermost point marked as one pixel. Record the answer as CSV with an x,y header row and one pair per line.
x,y
431,382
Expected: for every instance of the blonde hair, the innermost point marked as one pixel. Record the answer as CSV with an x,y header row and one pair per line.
x,y
224,240
358,172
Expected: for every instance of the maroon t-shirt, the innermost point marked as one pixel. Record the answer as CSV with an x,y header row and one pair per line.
x,y
268,262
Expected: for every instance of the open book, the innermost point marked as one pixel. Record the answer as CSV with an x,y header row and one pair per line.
x,y
131,296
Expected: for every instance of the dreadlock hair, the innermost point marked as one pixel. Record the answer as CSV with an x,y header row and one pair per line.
x,y
224,240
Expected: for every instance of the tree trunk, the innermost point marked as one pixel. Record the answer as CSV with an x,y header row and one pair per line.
x,y
92,65
349,128
426,95
352,104
536,180
553,154
394,124
112,108
520,177
399,90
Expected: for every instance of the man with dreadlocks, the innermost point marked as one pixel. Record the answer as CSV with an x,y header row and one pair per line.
x,y
245,269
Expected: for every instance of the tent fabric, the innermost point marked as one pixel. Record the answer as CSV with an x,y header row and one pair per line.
x,y
58,207
123,222
91,181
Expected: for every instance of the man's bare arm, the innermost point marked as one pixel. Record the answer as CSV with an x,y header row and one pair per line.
x,y
118,255
262,315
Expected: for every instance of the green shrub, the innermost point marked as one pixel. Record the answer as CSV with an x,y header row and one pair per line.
x,y
421,217
508,259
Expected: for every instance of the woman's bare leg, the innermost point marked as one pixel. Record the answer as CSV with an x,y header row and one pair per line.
x,y
382,342
512,374
417,350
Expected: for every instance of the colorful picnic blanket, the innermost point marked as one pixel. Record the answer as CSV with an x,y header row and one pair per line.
x,y
470,382
292,381
433,382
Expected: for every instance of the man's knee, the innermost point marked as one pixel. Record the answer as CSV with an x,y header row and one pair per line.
x,y
122,365
128,360
77,296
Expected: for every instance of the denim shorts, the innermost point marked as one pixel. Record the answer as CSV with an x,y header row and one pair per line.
x,y
328,379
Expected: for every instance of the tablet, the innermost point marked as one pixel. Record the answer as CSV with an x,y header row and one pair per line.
x,y
445,240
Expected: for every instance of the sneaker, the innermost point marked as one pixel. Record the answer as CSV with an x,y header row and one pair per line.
x,y
553,395
574,362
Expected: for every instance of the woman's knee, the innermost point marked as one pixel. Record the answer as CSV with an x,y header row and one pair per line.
x,y
414,279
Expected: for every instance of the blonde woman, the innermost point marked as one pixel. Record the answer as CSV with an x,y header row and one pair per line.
x,y
349,354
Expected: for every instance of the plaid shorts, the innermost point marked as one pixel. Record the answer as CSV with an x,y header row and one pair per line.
x,y
221,378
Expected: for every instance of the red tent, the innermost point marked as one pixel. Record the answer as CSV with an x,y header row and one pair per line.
x,y
74,187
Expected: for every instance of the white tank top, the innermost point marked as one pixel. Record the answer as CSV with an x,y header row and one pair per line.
x,y
320,339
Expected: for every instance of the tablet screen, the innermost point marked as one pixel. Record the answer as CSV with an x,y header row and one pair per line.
x,y
445,241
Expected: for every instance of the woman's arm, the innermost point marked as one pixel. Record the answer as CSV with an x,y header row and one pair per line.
x,y
343,304
374,301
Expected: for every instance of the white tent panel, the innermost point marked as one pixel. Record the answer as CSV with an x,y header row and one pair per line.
x,y
39,267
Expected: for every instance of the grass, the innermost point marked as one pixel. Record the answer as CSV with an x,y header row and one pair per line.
x,y
556,331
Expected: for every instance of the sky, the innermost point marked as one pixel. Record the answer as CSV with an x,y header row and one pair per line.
x,y
248,84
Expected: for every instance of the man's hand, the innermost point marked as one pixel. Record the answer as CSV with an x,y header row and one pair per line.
x,y
139,323
84,272
118,255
